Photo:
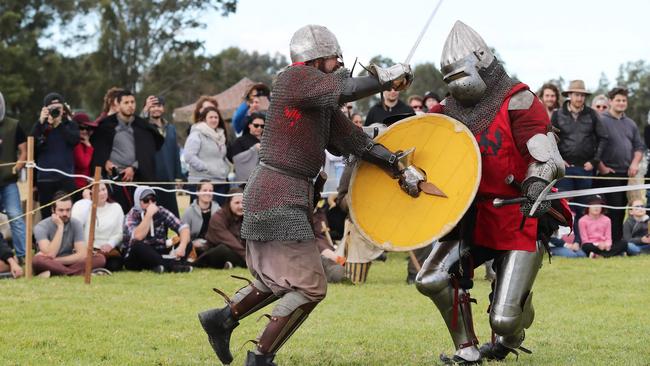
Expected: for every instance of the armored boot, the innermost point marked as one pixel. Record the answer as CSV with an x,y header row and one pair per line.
x,y
500,347
220,322
277,332
458,317
253,359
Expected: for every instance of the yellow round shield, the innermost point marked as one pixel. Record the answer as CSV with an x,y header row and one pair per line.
x,y
447,151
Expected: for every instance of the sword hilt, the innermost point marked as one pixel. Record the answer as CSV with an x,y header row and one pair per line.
x,y
500,202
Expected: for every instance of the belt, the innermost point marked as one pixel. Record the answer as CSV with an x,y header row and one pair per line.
x,y
285,172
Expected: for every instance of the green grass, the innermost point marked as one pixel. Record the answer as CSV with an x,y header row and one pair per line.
x,y
589,312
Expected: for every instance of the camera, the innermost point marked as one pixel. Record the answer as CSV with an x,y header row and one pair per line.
x,y
54,112
115,175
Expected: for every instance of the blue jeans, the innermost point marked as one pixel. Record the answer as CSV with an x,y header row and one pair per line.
x,y
10,198
635,249
566,252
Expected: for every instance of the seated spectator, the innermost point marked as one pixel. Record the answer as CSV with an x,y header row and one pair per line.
x,y
62,249
225,246
108,226
8,261
206,151
145,236
563,244
333,264
596,231
635,230
198,215
245,151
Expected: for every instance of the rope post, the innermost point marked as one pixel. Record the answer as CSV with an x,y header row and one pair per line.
x,y
93,219
29,219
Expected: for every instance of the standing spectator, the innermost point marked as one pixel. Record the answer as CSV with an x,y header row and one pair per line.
x,y
8,261
200,106
583,139
110,105
168,158
83,151
390,105
549,94
245,151
430,100
635,229
226,248
62,249
117,152
108,226
416,103
206,150
145,236
251,104
596,231
622,156
198,215
55,137
13,148
600,103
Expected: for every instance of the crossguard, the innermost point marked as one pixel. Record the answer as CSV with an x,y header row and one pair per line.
x,y
542,197
500,202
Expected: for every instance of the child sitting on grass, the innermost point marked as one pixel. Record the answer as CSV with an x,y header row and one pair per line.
x,y
635,230
596,231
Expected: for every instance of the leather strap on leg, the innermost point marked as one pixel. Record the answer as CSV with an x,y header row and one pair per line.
x,y
280,328
252,302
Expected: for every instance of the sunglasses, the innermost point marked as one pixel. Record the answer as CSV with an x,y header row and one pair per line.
x,y
601,107
85,128
638,206
417,107
257,125
148,199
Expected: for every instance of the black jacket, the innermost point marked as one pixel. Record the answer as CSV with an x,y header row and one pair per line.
x,y
377,114
581,140
147,138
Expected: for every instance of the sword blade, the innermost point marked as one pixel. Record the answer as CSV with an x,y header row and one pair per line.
x,y
424,30
592,191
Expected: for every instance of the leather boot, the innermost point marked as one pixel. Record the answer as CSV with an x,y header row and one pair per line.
x,y
253,359
219,323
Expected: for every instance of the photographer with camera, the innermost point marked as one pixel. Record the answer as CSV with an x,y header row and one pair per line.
x,y
55,136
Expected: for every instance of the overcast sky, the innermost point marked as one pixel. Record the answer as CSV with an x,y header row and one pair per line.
x,y
538,40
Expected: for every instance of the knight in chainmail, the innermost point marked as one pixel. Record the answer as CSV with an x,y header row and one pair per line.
x,y
304,119
512,128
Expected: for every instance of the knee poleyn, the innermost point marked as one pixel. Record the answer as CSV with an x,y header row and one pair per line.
x,y
431,283
506,321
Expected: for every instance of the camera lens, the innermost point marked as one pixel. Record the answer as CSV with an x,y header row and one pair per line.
x,y
55,112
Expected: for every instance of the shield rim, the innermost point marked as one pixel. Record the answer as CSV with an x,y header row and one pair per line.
x,y
447,228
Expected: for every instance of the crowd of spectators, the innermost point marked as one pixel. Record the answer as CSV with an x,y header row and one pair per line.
x,y
133,222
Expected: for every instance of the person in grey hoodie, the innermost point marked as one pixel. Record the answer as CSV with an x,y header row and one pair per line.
x,y
635,230
206,150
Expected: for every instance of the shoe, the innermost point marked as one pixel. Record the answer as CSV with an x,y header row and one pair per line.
x,y
382,257
410,278
101,272
21,261
498,352
253,359
219,324
182,268
44,274
158,269
457,360
228,265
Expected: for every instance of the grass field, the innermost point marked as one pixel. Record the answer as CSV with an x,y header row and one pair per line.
x,y
589,312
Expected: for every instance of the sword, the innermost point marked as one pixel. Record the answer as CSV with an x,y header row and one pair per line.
x,y
424,30
499,202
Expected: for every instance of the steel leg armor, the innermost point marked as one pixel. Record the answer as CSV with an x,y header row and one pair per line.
x,y
451,296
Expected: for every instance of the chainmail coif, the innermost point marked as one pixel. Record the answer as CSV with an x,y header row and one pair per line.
x,y
478,117
303,119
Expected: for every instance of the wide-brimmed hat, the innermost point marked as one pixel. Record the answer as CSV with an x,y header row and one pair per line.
x,y
84,120
576,86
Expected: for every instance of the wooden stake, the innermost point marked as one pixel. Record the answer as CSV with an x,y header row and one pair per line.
x,y
414,259
29,219
93,219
